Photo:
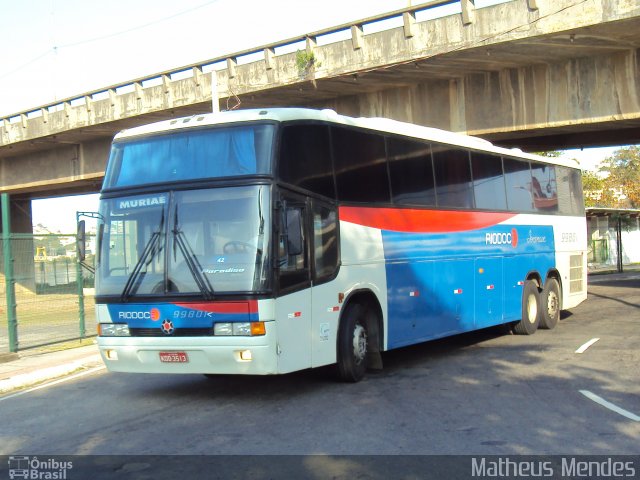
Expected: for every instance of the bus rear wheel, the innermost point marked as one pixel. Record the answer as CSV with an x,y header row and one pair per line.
x,y
352,344
550,302
530,310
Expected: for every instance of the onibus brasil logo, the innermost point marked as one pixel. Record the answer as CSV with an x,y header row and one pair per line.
x,y
37,469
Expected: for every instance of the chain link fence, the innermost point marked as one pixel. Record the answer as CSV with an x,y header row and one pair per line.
x,y
53,294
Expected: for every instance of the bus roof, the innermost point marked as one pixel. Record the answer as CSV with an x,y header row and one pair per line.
x,y
376,123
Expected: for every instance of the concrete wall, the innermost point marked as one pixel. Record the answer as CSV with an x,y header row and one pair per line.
x,y
22,248
584,91
57,167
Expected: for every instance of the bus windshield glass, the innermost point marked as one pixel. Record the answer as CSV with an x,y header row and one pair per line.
x,y
197,242
190,155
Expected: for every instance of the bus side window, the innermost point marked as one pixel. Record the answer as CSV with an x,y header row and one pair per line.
x,y
517,176
488,181
453,177
544,188
305,159
569,191
360,166
411,172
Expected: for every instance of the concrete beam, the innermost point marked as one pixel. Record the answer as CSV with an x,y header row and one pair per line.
x,y
578,94
71,166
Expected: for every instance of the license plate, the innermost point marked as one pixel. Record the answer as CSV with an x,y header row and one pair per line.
x,y
174,357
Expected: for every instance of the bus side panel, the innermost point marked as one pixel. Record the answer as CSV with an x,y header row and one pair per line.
x,y
425,304
443,283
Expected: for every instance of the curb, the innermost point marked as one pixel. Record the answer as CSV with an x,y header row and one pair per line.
x,y
8,357
29,379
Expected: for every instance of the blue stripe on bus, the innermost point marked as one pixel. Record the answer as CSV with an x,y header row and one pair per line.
x,y
441,284
151,315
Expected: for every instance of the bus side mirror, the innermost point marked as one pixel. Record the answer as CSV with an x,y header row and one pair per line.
x,y
294,231
81,241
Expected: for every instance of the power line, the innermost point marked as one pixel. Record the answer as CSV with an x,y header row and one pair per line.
x,y
139,27
25,65
55,49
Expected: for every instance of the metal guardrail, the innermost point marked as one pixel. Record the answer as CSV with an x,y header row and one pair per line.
x,y
230,61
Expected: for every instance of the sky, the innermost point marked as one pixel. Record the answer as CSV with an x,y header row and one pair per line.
x,y
54,49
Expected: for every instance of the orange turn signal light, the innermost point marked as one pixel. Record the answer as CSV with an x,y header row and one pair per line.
x,y
258,328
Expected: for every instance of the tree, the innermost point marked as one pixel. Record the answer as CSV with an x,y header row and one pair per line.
x,y
594,190
623,173
550,154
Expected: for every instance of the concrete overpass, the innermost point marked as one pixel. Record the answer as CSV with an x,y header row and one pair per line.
x,y
539,74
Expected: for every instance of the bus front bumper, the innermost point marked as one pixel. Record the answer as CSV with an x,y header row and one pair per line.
x,y
188,355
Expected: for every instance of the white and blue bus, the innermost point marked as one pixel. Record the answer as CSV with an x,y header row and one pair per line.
x,y
270,241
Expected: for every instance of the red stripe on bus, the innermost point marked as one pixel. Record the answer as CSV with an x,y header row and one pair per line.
x,y
421,221
250,306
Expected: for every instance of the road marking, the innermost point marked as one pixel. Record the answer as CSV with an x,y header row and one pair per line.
x,y
54,382
610,406
584,347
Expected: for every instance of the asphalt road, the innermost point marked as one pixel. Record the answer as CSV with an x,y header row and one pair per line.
x,y
485,393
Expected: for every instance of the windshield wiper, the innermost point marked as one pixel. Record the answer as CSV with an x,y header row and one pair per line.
x,y
191,260
148,253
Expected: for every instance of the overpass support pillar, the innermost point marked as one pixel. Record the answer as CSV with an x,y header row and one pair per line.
x,y
19,234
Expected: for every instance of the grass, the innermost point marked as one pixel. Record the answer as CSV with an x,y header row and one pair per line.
x,y
48,309
58,347
49,321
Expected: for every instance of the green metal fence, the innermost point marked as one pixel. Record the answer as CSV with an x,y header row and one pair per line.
x,y
45,296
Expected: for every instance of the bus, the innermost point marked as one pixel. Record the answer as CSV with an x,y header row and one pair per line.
x,y
275,240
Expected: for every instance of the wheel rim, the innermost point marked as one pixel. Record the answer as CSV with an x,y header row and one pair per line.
x,y
532,309
552,304
359,343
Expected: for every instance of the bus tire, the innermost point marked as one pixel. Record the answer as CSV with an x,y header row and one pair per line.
x,y
352,344
550,304
530,310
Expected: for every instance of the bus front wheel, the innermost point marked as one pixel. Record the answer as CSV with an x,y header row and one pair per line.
x,y
550,302
352,344
530,310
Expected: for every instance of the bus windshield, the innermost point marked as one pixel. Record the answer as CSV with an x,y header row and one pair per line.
x,y
198,242
191,155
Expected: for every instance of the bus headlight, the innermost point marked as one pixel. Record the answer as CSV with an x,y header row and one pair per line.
x,y
222,329
240,329
113,330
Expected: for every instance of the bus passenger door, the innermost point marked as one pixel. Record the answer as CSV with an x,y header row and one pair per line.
x,y
326,289
293,305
